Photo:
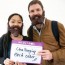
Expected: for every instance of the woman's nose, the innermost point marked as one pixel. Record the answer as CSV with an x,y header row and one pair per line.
x,y
16,24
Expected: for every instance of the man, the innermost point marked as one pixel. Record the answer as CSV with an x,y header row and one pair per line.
x,y
41,31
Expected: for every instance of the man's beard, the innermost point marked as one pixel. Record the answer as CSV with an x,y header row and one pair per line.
x,y
15,30
37,19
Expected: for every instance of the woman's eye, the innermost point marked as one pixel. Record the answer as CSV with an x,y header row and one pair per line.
x,y
12,21
19,22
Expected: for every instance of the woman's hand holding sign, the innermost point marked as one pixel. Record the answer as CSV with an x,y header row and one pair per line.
x,y
7,61
19,63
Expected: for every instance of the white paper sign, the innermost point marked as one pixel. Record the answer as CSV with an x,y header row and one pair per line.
x,y
26,51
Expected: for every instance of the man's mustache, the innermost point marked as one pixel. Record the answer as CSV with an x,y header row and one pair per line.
x,y
35,17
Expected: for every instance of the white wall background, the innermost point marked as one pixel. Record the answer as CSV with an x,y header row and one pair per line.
x,y
54,10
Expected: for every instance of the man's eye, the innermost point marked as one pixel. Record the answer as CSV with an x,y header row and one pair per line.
x,y
32,11
38,9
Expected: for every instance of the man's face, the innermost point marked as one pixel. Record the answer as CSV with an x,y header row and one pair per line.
x,y
36,14
15,25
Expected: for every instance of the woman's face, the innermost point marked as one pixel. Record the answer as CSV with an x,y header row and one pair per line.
x,y
15,25
15,21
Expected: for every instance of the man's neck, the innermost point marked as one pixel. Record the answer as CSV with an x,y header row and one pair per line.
x,y
38,26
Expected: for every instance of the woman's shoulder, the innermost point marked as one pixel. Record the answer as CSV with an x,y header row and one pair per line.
x,y
3,37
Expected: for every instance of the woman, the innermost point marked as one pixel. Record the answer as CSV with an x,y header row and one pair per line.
x,y
15,26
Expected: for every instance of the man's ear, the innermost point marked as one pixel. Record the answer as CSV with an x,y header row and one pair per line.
x,y
44,13
29,17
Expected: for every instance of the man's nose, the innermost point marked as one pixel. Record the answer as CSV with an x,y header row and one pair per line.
x,y
35,12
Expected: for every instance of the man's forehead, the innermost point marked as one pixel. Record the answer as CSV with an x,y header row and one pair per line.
x,y
34,6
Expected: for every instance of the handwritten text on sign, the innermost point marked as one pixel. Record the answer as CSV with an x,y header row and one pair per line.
x,y
26,51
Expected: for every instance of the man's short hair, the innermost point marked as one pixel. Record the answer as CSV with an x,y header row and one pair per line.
x,y
35,2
